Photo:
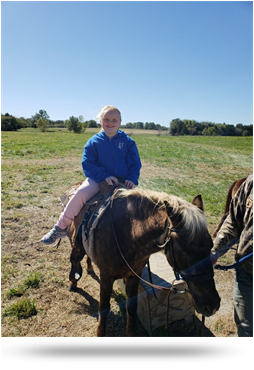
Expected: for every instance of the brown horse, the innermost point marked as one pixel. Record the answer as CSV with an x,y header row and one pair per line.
x,y
137,224
231,193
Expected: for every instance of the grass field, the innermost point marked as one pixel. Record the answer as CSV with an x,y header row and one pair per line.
x,y
38,167
35,164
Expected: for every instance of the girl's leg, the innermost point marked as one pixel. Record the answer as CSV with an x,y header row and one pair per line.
x,y
85,192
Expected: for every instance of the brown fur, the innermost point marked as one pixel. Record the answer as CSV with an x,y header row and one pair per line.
x,y
140,219
231,193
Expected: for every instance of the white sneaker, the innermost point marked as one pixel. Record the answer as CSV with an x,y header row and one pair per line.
x,y
53,235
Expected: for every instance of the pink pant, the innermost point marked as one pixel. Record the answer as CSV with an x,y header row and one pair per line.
x,y
85,192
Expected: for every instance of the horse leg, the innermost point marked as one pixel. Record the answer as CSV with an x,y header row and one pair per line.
x,y
131,286
106,284
76,268
89,265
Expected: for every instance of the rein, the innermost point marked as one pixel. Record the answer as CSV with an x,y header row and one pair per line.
x,y
228,267
171,289
183,274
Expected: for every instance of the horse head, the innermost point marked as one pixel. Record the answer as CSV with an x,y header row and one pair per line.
x,y
188,252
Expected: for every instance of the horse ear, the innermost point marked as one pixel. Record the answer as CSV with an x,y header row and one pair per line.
x,y
198,201
168,208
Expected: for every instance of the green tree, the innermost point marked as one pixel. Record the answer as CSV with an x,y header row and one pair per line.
x,y
42,114
9,123
139,125
74,125
24,122
191,126
129,125
175,126
247,130
210,131
42,124
91,124
150,126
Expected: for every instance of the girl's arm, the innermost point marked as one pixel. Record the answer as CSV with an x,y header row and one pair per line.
x,y
133,162
90,166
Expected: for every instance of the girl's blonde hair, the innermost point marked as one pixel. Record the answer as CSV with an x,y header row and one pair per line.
x,y
106,109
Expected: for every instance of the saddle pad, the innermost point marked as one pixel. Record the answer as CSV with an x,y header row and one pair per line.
x,y
94,203
98,199
88,234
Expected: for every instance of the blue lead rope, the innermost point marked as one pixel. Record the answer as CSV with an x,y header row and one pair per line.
x,y
225,268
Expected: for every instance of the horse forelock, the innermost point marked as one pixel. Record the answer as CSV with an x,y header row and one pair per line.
x,y
193,220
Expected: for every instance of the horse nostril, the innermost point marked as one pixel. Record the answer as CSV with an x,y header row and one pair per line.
x,y
207,311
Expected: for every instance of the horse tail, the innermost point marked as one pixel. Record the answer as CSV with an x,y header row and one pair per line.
x,y
231,193
229,197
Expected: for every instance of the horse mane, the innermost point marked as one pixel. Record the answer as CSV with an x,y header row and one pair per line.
x,y
192,218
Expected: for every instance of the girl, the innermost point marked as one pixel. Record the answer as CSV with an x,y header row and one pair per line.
x,y
107,155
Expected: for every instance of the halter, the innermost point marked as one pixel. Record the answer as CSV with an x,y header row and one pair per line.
x,y
169,247
168,236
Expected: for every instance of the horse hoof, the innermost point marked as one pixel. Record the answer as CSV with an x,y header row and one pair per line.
x,y
73,288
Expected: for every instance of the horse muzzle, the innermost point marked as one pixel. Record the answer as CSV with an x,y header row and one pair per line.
x,y
206,299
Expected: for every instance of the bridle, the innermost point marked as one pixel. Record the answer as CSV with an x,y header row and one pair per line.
x,y
169,249
169,246
186,277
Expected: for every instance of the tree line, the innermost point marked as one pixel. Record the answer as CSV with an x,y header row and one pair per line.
x,y
42,121
192,127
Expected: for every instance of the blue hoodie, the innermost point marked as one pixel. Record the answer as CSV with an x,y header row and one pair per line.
x,y
104,157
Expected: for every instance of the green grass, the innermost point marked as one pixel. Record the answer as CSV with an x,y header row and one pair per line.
x,y
32,281
207,164
38,167
22,309
33,144
35,165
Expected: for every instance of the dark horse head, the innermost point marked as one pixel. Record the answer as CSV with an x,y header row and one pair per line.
x,y
184,226
188,252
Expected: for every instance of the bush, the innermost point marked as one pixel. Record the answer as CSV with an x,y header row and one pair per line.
x,y
9,123
42,124
73,124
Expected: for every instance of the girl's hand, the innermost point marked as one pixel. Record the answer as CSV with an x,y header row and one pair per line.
x,y
129,184
111,180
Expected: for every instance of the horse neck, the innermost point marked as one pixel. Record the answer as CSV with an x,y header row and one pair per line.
x,y
155,216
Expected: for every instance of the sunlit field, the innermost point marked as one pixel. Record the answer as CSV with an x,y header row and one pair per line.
x,y
38,167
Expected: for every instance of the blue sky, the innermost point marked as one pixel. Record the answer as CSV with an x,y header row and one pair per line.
x,y
154,60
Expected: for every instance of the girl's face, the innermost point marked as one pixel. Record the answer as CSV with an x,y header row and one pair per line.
x,y
111,123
